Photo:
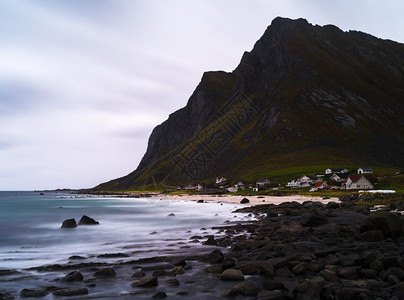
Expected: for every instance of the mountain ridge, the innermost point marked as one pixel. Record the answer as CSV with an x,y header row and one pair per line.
x,y
308,94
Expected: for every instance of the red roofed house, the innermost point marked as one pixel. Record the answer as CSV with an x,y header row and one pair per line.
x,y
358,182
318,186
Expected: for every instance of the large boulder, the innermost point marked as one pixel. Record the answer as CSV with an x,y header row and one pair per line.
x,y
232,275
390,224
73,276
69,223
313,219
85,220
216,256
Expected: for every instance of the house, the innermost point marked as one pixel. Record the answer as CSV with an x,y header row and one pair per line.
x,y
190,187
339,177
220,180
263,182
232,189
365,171
358,182
301,182
336,171
240,185
318,186
258,188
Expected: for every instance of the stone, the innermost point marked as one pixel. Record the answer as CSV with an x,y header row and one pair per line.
x,y
245,289
397,272
159,295
171,215
300,268
73,276
272,285
232,275
216,256
85,220
112,255
332,205
372,236
228,263
352,293
210,242
311,288
349,260
368,273
69,223
283,272
182,293
331,259
244,201
330,276
390,224
200,201
29,293
177,270
172,282
178,261
376,265
214,269
70,292
313,219
399,286
271,295
74,257
139,274
348,272
148,282
105,273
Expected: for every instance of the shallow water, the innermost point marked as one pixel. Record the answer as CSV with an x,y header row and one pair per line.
x,y
31,236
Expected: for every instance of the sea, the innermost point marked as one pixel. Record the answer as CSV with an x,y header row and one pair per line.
x,y
31,233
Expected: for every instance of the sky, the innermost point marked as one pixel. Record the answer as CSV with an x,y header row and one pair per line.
x,y
83,83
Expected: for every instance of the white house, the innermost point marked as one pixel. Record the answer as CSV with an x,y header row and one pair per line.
x,y
358,182
365,171
303,181
232,189
339,177
263,182
337,171
240,185
220,180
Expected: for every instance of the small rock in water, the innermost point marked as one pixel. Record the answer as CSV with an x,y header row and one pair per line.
x,y
77,257
171,215
105,272
200,201
73,276
69,223
71,292
139,274
159,295
148,282
244,200
210,242
85,220
28,293
216,256
172,282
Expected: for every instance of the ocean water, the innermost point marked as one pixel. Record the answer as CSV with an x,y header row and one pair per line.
x,y
31,236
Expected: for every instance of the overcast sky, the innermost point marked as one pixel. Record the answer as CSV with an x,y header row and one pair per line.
x,y
83,83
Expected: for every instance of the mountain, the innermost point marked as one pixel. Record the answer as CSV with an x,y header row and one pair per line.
x,y
305,95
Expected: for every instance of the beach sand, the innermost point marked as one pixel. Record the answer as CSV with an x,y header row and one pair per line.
x,y
254,200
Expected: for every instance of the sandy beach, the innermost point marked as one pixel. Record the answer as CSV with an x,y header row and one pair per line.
x,y
254,200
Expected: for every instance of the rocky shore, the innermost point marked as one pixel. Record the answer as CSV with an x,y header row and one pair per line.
x,y
293,250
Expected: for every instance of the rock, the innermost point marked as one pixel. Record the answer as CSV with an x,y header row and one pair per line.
x,y
390,262
112,255
228,263
368,273
171,215
349,260
352,293
270,295
348,272
158,273
182,293
105,273
332,205
148,282
178,261
214,269
397,272
73,276
177,270
330,276
28,293
376,265
283,272
313,219
159,295
172,282
216,256
232,275
331,259
70,223
139,274
272,285
272,214
85,220
300,268
245,289
390,224
372,236
244,201
247,268
71,292
312,288
200,201
73,257
399,286
210,242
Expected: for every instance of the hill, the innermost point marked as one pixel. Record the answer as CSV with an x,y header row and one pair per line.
x,y
303,96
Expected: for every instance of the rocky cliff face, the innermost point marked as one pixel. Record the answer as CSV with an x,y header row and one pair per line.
x,y
304,95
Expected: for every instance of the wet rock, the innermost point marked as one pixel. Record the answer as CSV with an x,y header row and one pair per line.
x,y
329,276
112,255
245,289
272,285
171,215
310,289
30,293
228,263
215,269
68,292
368,273
210,242
283,272
139,274
247,268
105,273
332,205
300,268
270,295
313,219
376,265
349,260
200,201
348,272
85,220
159,295
172,282
352,293
396,272
148,282
216,256
178,261
76,257
73,276
177,270
70,223
182,293
232,275
331,259
390,224
159,273
244,201
372,236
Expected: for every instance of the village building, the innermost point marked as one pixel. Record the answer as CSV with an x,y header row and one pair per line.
x,y
365,171
336,171
358,182
318,186
190,187
263,182
258,188
220,180
240,185
339,177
